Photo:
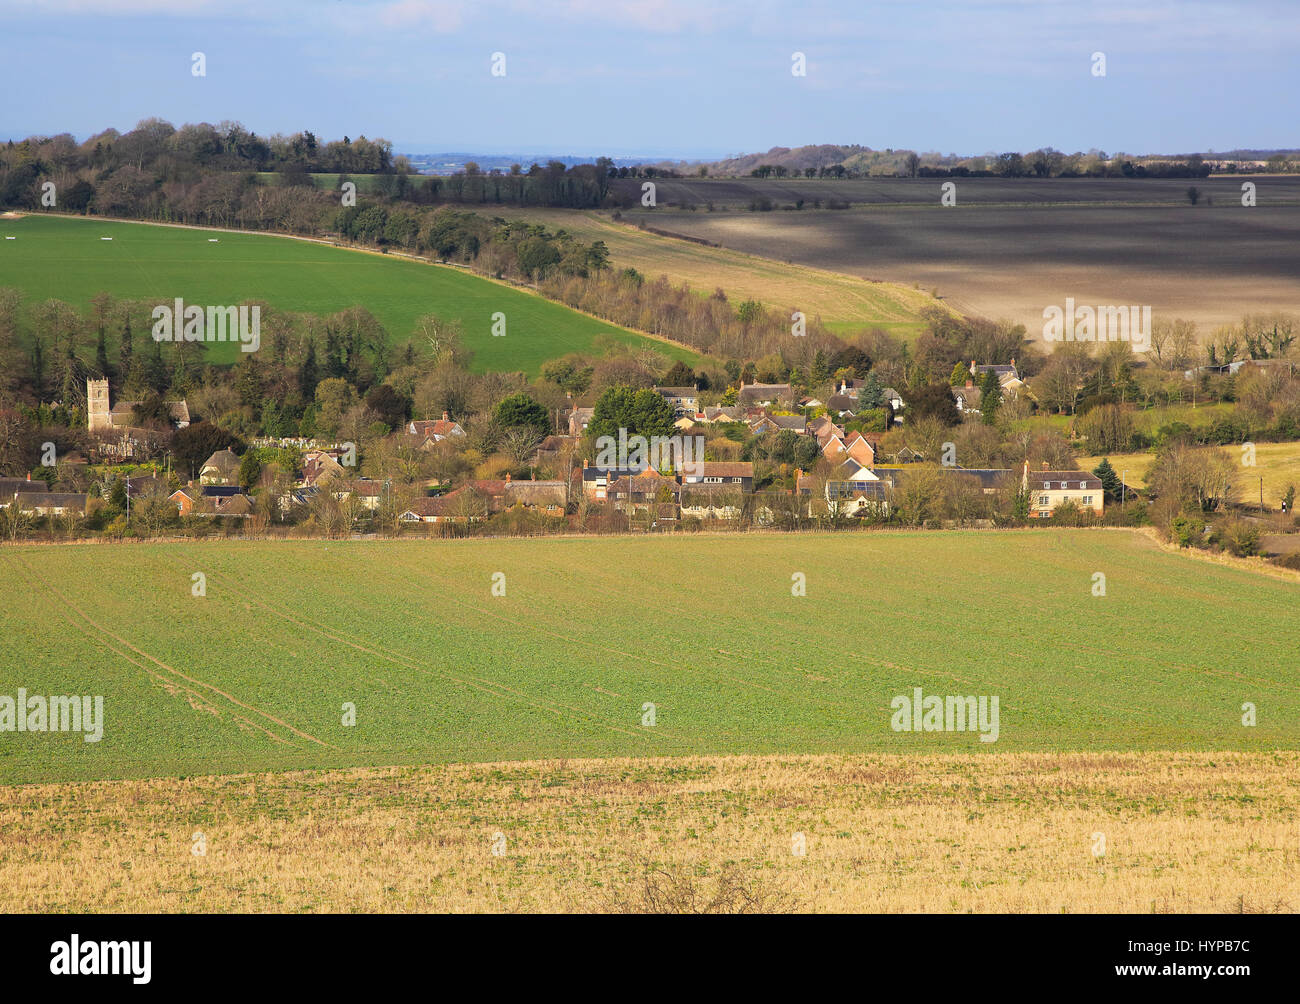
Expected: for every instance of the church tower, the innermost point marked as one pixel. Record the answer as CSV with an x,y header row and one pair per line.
x,y
97,410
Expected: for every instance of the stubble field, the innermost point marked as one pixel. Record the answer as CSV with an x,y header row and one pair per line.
x,y
1020,832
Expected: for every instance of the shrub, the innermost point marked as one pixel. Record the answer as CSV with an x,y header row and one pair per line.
x,y
1185,529
1240,536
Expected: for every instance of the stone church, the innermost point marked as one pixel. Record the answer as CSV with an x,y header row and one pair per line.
x,y
100,416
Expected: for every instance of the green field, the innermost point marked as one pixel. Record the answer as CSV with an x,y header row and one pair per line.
x,y
254,674
63,258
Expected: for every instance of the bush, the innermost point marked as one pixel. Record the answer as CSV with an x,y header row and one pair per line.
x,y
1186,530
1239,536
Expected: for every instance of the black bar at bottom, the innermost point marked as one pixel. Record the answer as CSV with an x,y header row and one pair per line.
x,y
333,953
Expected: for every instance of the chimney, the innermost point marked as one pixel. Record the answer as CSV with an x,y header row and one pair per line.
x,y
507,477
1045,467
969,385
446,417
29,475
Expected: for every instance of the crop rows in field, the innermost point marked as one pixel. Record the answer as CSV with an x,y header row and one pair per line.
x,y
255,674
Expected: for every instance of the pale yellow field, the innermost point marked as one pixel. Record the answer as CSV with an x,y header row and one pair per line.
x,y
1277,463
1216,832
842,301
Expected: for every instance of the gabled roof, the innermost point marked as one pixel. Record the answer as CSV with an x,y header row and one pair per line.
x,y
50,500
1058,480
609,473
725,469
8,486
223,460
535,493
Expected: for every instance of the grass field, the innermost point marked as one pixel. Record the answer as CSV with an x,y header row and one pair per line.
x,y
1277,463
254,675
843,302
1008,249
1183,832
63,257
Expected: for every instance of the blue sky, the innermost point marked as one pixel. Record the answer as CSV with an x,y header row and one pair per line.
x,y
676,78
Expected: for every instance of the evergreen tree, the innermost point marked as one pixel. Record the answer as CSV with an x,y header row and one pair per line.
x,y
308,374
250,469
990,397
101,355
156,376
124,353
1110,481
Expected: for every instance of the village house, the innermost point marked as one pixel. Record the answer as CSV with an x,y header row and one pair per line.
x,y
852,491
320,468
546,497
841,405
968,398
894,400
211,500
737,475
764,395
711,415
711,501
426,509
579,419
1048,489
9,487
1008,377
823,429
553,448
791,423
222,468
434,429
596,480
47,503
685,400
645,494
369,494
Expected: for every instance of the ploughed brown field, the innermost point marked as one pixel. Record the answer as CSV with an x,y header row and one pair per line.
x,y
1040,832
1010,248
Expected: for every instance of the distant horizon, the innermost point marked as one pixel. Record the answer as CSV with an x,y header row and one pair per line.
x,y
696,157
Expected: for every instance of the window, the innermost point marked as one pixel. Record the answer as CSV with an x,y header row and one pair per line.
x,y
1087,500
1047,484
